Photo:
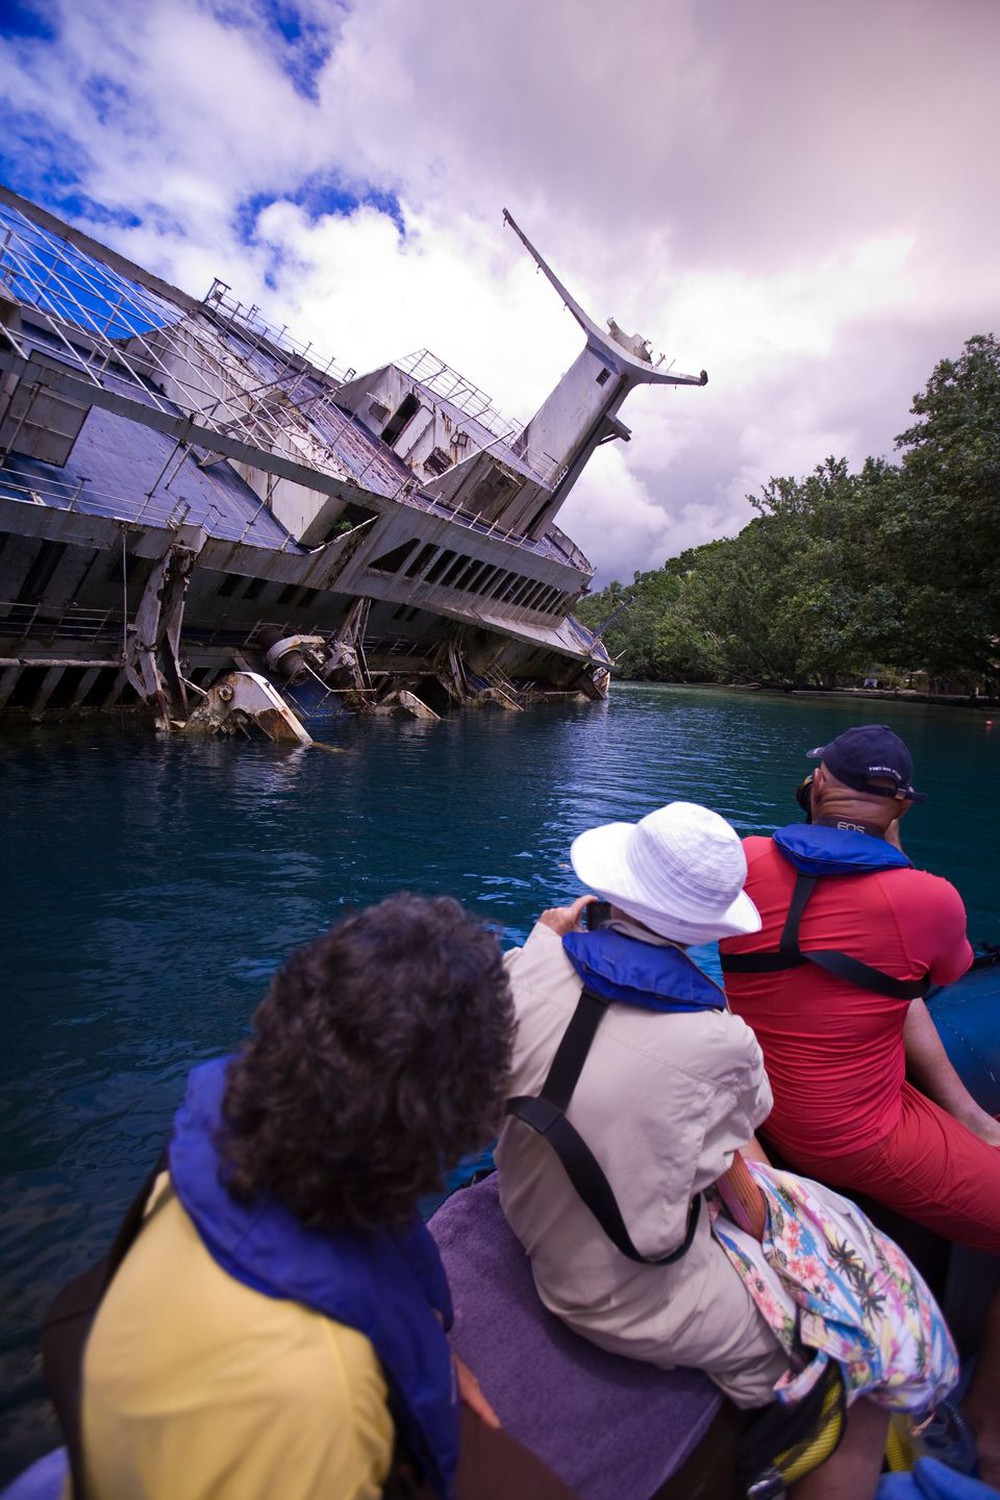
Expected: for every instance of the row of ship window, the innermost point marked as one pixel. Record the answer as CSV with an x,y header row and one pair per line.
x,y
431,564
456,570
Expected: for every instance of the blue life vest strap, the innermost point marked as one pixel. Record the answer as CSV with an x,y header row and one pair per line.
x,y
652,976
811,865
545,1112
816,849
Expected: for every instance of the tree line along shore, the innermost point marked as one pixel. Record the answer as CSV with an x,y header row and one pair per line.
x,y
887,577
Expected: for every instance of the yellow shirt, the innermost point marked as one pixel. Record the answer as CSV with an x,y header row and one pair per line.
x,y
196,1386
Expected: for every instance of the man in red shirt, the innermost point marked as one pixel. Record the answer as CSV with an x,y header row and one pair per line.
x,y
864,1095
865,1098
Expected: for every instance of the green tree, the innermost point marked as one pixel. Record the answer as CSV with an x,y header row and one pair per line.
x,y
889,568
946,536
840,608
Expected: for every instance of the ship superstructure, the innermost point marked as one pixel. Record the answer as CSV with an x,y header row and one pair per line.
x,y
185,490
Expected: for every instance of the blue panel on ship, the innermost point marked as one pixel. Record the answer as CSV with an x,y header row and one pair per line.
x,y
47,272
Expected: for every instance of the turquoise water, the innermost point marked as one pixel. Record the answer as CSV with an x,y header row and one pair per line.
x,y
153,886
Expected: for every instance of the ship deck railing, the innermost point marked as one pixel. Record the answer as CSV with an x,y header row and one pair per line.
x,y
229,310
554,545
165,510
454,388
153,510
24,622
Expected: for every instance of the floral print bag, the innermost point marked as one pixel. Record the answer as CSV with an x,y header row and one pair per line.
x,y
832,1287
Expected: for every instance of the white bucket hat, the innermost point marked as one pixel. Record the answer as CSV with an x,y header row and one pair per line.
x,y
679,871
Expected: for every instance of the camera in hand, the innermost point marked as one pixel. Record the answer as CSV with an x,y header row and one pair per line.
x,y
803,795
596,913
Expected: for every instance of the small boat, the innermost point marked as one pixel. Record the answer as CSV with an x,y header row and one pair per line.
x,y
613,1427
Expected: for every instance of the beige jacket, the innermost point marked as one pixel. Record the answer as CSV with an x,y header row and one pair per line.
x,y
663,1102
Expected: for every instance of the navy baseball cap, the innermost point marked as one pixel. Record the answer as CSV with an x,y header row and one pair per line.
x,y
868,751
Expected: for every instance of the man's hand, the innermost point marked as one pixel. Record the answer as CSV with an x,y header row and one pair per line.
x,y
982,1124
470,1392
563,919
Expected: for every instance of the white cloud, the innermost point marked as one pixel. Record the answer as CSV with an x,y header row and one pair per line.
x,y
800,198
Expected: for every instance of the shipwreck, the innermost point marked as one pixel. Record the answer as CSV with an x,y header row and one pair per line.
x,y
202,520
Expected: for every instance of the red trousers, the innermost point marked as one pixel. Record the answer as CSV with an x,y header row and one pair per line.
x,y
931,1169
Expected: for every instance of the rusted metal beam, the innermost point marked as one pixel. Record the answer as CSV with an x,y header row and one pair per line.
x,y
49,684
117,688
84,686
8,682
56,661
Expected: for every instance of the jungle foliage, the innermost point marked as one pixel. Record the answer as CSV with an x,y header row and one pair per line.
x,y
891,571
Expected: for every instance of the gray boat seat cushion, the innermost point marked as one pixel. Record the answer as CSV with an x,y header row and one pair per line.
x,y
609,1427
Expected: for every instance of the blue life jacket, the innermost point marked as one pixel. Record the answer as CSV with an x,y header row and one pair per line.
x,y
390,1286
626,970
816,852
623,970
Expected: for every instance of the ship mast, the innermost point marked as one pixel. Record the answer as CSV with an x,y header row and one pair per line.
x,y
580,414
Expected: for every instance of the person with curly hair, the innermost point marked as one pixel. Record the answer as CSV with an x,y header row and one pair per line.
x,y
278,1325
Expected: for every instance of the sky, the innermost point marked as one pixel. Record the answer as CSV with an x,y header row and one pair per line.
x,y
800,196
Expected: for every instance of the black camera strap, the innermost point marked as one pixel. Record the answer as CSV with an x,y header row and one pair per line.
x,y
545,1112
790,956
